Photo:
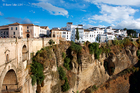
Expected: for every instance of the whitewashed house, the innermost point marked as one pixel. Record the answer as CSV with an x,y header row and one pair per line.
x,y
94,34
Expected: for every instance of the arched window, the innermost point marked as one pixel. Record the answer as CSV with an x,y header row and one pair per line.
x,y
24,53
7,58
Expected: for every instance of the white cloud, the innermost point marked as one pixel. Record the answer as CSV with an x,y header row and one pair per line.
x,y
32,11
52,9
1,13
131,24
116,2
20,20
26,21
83,10
66,4
118,16
36,22
112,14
3,0
86,26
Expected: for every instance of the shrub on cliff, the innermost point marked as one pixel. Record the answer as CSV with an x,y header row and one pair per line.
x,y
94,87
97,53
115,42
66,63
94,48
127,42
138,53
37,73
63,55
75,47
51,42
65,87
62,73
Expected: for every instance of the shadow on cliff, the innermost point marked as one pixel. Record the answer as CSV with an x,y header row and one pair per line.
x,y
109,67
68,53
134,80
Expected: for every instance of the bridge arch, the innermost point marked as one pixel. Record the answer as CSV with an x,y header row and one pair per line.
x,y
8,78
10,83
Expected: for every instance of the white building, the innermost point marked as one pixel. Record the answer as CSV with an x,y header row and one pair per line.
x,y
72,28
94,34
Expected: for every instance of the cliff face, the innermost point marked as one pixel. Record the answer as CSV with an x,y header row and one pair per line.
x,y
88,72
120,84
123,59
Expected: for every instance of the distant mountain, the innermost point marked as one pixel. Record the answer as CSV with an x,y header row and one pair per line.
x,y
137,30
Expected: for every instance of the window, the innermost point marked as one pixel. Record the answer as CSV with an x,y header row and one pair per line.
x,y
27,30
6,33
64,32
13,33
16,28
27,27
53,35
7,58
11,28
21,28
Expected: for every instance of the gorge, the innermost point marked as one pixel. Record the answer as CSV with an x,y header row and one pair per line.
x,y
72,68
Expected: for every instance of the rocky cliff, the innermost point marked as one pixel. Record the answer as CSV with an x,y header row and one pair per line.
x,y
85,71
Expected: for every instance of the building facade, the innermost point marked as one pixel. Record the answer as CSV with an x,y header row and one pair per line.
x,y
23,31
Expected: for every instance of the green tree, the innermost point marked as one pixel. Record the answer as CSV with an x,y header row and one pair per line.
x,y
66,63
75,47
37,72
51,42
62,73
98,38
66,86
125,29
77,34
94,48
63,55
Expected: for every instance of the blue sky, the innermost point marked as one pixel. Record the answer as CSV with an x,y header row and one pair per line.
x,y
56,13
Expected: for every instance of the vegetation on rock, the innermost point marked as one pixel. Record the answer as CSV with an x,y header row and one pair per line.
x,y
65,87
63,55
62,73
62,76
66,63
138,53
51,42
94,48
75,47
36,72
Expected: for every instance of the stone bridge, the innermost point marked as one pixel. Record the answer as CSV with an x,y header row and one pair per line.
x,y
15,55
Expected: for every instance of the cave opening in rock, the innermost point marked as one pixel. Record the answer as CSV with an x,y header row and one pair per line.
x,y
109,67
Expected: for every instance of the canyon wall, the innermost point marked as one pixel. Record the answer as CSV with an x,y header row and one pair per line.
x,y
88,72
